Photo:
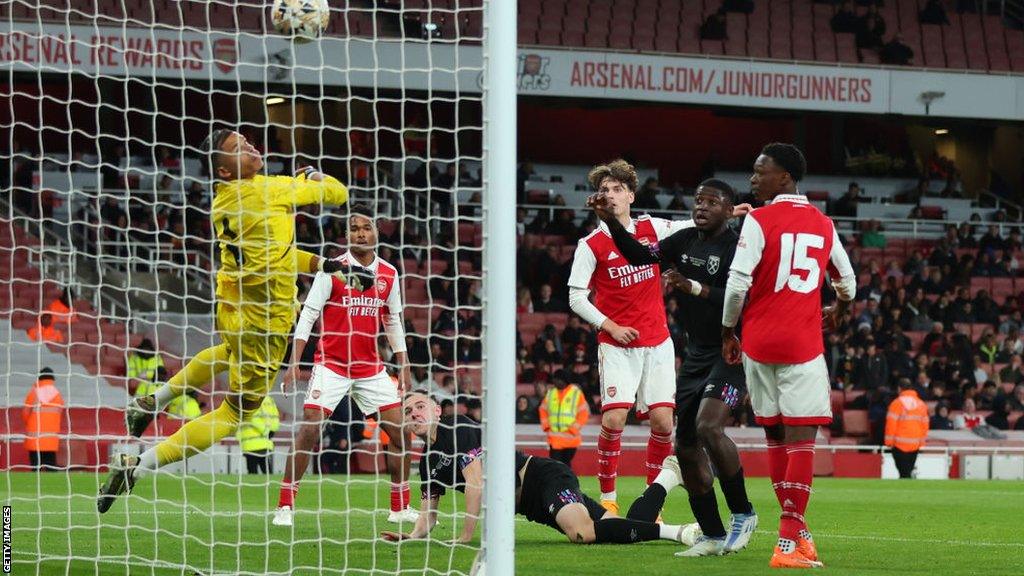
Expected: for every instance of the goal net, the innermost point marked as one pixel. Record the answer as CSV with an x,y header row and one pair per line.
x,y
109,260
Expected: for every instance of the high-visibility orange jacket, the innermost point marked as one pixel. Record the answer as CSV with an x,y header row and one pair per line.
x,y
42,333
43,410
906,424
562,415
61,314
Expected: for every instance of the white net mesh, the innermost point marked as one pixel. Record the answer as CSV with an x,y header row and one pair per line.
x,y
107,246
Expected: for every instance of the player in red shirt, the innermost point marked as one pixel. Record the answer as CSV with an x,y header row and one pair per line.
x,y
635,353
784,250
347,362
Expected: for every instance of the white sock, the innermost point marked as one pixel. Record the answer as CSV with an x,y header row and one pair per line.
x,y
609,496
147,464
669,532
164,395
667,479
786,545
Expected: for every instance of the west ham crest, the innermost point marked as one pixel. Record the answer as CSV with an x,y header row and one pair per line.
x,y
713,262
611,391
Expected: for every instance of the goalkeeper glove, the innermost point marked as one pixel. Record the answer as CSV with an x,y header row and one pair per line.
x,y
356,277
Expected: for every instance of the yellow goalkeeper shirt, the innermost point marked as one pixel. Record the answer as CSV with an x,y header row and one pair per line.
x,y
255,224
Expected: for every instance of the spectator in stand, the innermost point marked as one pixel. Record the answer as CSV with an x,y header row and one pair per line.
x,y
870,29
991,240
900,364
1000,416
562,225
935,341
844,21
940,420
563,413
988,347
526,411
647,196
987,396
872,236
967,419
935,284
42,415
45,331
1013,372
906,427
898,53
520,221
894,270
524,302
548,303
965,236
874,370
934,13
714,27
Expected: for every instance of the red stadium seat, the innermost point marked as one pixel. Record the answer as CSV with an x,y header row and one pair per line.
x,y
855,423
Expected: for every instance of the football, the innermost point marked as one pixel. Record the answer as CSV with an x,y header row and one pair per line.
x,y
303,20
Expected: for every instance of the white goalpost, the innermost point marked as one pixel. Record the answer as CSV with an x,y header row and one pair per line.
x,y
109,260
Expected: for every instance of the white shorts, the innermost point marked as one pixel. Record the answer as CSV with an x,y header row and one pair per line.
x,y
373,394
791,394
645,377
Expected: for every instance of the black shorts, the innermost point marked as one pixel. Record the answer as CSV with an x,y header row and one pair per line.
x,y
549,486
709,379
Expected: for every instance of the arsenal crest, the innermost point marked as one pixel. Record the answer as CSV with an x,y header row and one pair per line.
x,y
611,391
382,285
713,263
225,54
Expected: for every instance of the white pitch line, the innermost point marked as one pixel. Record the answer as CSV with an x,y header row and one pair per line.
x,y
911,540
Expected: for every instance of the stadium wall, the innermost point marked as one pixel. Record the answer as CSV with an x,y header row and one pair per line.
x,y
337,61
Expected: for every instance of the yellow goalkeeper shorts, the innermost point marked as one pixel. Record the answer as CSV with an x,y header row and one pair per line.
x,y
255,354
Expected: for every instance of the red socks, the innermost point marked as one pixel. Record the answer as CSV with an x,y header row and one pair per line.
x,y
796,488
399,496
659,446
287,496
778,460
609,447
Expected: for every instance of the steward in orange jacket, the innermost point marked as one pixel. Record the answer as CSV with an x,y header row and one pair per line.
x,y
906,427
563,413
45,331
42,413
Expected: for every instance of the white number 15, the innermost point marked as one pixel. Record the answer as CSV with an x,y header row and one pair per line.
x,y
793,257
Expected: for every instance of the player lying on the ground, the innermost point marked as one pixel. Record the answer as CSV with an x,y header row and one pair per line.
x,y
547,491
775,279
254,218
347,362
708,389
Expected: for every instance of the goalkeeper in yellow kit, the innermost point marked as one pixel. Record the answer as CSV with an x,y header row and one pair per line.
x,y
253,217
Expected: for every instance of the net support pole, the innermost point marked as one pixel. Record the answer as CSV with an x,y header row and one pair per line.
x,y
499,319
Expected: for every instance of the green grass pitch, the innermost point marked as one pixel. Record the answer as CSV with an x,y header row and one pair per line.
x,y
220,525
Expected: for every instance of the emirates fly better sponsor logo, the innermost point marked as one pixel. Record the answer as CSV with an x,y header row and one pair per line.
x,y
630,275
362,305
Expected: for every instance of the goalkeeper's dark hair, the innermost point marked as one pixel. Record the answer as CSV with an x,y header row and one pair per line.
x,y
728,192
211,150
787,157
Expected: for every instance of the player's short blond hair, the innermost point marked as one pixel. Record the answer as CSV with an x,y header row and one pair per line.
x,y
619,170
